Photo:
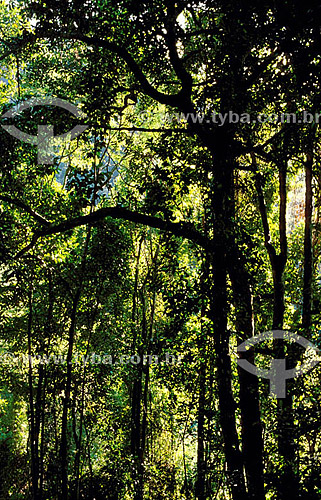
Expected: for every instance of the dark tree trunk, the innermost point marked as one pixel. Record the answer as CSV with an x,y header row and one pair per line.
x,y
66,403
34,435
78,437
42,383
307,276
287,480
136,424
201,464
200,487
252,441
136,395
288,485
222,207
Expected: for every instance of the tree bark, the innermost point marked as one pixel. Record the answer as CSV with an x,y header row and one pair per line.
x,y
200,489
34,436
287,481
252,440
66,403
222,207
307,274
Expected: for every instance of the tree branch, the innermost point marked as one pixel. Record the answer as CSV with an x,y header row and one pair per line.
x,y
168,99
179,68
260,68
266,228
282,214
26,208
181,229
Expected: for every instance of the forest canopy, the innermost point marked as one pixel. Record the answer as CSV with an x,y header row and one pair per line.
x,y
160,205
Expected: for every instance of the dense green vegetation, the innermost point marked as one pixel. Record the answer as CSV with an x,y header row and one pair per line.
x,y
136,261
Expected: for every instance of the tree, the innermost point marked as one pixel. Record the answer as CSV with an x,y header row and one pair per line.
x,y
194,59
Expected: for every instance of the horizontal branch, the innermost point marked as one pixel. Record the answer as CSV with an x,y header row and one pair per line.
x,y
181,229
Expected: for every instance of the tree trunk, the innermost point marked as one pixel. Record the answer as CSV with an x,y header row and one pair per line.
x,y
201,464
33,430
307,275
222,207
252,441
66,403
288,485
287,480
136,428
200,487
